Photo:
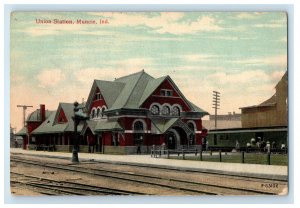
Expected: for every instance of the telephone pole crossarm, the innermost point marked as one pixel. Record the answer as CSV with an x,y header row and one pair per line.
x,y
24,111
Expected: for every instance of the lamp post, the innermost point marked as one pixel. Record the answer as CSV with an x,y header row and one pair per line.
x,y
79,115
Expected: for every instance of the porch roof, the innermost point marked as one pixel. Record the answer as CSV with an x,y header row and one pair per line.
x,y
164,124
47,126
105,125
89,124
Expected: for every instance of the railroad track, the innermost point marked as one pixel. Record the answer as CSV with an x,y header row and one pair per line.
x,y
188,187
58,187
212,173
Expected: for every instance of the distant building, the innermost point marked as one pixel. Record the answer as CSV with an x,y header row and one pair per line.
x,y
228,121
228,117
272,112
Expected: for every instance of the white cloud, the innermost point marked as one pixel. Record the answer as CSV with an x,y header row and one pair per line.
x,y
166,22
274,23
247,15
279,60
198,57
50,77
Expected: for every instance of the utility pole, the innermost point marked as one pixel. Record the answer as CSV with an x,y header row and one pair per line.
x,y
216,104
24,111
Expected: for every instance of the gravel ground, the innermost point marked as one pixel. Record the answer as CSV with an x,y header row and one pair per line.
x,y
50,173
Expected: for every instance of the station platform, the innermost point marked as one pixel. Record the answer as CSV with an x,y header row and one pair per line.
x,y
237,169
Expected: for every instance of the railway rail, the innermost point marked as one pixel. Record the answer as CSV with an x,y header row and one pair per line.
x,y
168,168
188,187
58,187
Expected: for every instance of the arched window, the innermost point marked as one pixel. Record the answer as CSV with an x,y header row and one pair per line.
x,y
155,110
98,112
138,126
165,110
102,111
175,111
93,113
138,135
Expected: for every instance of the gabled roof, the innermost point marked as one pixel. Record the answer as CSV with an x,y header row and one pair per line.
x,y
151,87
131,91
163,125
110,90
50,125
91,124
272,100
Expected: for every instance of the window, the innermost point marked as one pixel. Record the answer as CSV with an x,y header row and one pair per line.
x,y
167,93
175,111
155,110
165,110
98,112
93,114
138,135
138,126
102,111
98,96
115,139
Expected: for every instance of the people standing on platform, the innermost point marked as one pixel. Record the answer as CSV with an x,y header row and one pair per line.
x,y
268,147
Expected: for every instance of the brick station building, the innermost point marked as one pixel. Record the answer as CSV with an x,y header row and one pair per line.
x,y
128,114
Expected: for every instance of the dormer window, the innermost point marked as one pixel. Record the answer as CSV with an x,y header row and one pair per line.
x,y
166,93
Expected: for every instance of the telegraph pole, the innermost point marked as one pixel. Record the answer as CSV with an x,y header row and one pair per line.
x,y
216,104
24,111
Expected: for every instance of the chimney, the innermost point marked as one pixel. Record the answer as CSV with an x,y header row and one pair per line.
x,y
42,112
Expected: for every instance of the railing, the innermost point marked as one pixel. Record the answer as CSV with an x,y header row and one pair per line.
x,y
183,152
270,158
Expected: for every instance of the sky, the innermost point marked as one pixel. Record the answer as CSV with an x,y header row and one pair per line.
x,y
241,55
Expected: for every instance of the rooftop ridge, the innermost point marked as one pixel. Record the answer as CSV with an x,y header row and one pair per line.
x,y
142,71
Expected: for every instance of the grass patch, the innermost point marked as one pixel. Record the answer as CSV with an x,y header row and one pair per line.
x,y
250,158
